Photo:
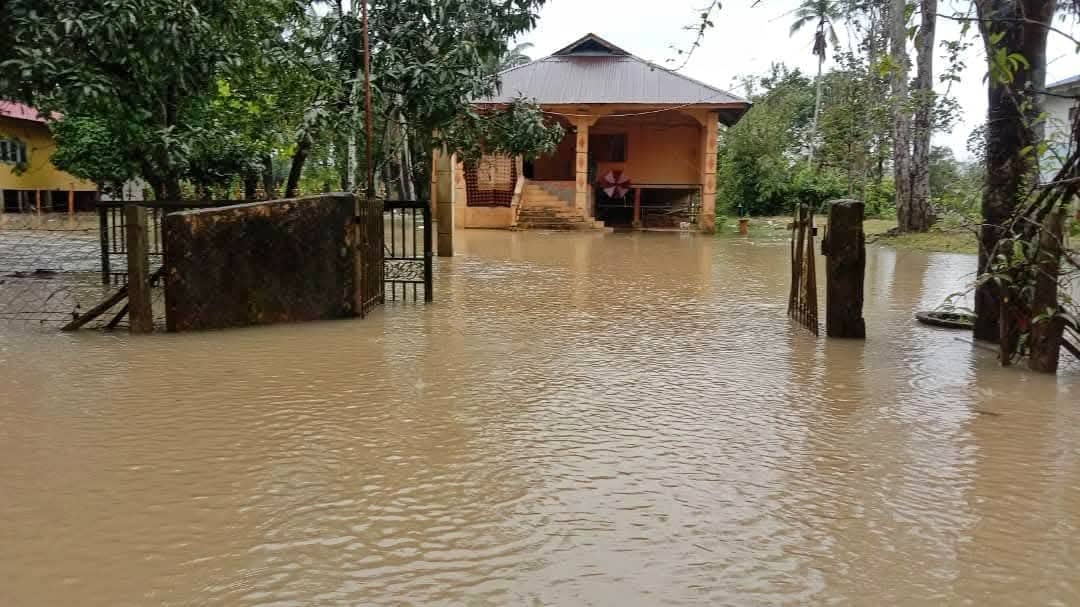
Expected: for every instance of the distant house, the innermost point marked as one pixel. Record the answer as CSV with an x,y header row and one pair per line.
x,y
28,179
1060,107
639,151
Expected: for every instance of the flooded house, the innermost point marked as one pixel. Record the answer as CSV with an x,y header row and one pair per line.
x,y
639,150
28,179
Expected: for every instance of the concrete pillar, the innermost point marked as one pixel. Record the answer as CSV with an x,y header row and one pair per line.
x,y
707,217
581,166
442,194
461,191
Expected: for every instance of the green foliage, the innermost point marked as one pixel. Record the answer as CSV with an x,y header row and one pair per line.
x,y
758,156
87,148
880,199
145,70
955,187
519,129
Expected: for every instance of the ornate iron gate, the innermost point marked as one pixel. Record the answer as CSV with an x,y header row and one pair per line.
x,y
369,243
408,249
802,301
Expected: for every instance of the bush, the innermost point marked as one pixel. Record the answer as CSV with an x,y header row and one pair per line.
x,y
816,188
880,200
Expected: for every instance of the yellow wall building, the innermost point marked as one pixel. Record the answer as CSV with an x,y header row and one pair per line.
x,y
28,179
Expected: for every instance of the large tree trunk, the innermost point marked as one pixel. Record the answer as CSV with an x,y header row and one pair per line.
x,y
901,115
303,147
918,215
1011,111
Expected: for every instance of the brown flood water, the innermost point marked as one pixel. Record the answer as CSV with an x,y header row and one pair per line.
x,y
578,420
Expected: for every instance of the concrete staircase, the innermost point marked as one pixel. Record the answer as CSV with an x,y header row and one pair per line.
x,y
551,207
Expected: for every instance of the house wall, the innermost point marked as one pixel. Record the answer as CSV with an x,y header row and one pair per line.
x,y
656,153
40,174
1056,133
558,166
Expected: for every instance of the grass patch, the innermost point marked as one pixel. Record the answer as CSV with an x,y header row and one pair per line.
x,y
938,240
944,238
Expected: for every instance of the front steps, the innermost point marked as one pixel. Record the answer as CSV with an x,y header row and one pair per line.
x,y
546,208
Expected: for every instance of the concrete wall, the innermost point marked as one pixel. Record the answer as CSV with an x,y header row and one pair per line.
x,y
260,263
487,217
40,174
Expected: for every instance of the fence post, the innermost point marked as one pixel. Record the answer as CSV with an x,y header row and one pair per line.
x,y
428,295
140,309
845,267
1047,334
103,235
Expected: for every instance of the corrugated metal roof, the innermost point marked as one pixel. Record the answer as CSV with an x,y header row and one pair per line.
x,y
599,79
13,109
591,78
1070,81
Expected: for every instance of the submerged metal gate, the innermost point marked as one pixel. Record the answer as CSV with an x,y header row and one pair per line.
x,y
369,245
802,300
408,255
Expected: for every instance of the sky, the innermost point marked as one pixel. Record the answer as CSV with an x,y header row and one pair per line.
x,y
746,40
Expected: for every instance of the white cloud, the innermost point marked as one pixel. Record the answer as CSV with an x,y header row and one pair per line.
x,y
747,39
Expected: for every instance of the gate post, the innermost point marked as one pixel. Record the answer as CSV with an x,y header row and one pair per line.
x,y
844,246
103,235
442,191
140,309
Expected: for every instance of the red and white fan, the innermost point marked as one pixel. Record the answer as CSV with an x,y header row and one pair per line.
x,y
615,184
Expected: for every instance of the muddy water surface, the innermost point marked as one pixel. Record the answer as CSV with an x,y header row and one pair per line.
x,y
578,420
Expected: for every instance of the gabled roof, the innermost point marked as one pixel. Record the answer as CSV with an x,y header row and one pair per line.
x,y
590,44
593,70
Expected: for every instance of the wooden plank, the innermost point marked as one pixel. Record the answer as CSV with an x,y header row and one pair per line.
x,y
97,310
140,309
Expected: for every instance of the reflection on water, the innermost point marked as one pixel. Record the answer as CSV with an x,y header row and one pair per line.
x,y
579,419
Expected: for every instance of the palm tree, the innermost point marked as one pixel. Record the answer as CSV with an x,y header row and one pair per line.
x,y
513,57
824,13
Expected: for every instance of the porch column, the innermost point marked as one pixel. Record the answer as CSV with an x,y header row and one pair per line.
x,y
707,217
461,192
581,164
442,194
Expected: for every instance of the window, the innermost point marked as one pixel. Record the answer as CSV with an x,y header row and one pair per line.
x,y
13,151
608,148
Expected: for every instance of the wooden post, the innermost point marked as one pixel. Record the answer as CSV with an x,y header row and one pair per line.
x,y
71,200
140,310
1047,334
845,268
3,202
37,201
637,208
